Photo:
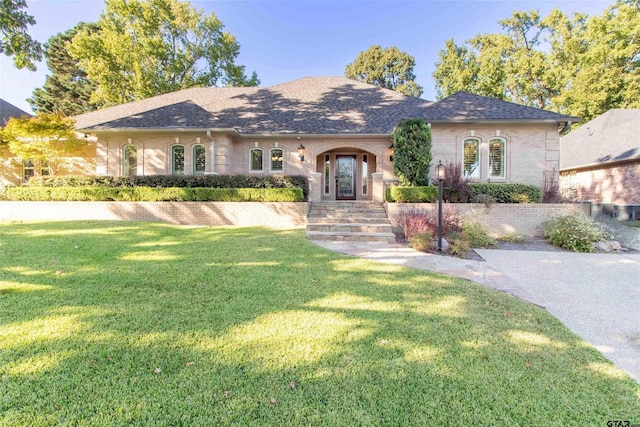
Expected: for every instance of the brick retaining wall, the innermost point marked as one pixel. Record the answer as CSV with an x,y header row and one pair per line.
x,y
245,214
498,218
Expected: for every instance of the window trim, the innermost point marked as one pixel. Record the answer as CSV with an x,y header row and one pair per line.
x,y
504,158
194,157
477,170
327,174
251,169
271,169
173,159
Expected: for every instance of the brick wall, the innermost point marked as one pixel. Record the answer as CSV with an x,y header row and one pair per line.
x,y
245,214
618,184
498,219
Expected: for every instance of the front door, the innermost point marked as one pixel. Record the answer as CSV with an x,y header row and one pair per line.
x,y
346,178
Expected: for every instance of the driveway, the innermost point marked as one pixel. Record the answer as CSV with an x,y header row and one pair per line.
x,y
597,296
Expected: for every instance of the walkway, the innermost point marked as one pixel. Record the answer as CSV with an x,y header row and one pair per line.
x,y
597,296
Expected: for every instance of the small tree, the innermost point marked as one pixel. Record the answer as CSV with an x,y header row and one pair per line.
x,y
412,152
45,139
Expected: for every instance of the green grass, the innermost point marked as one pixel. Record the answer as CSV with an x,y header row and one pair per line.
x,y
149,324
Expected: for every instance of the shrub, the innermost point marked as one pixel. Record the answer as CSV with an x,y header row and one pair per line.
x,y
413,194
149,194
421,242
485,199
415,222
456,186
551,187
507,193
575,231
412,152
459,244
477,235
512,238
177,181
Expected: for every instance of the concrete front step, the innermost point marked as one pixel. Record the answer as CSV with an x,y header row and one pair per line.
x,y
346,220
350,227
353,236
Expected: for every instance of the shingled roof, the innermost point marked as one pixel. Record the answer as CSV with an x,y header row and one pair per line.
x,y
311,105
609,138
467,107
8,111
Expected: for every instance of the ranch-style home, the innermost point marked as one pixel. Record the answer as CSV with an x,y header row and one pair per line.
x,y
334,130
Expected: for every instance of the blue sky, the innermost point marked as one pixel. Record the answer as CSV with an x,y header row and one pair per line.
x,y
286,40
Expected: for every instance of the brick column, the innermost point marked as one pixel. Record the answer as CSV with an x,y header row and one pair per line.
x,y
315,187
378,187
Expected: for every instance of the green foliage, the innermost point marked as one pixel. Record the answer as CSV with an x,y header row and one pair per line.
x,y
575,231
512,238
421,242
148,194
412,194
14,39
581,65
66,88
506,193
388,68
459,244
44,139
478,235
146,48
416,221
179,181
412,152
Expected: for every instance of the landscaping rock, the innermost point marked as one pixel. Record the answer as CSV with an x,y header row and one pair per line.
x,y
608,246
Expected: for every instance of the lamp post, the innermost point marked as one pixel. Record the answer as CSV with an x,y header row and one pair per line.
x,y
442,174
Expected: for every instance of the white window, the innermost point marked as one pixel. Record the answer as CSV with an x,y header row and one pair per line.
x,y
255,160
497,158
130,164
472,158
198,159
276,163
30,167
177,160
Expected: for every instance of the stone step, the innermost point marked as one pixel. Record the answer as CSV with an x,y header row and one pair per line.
x,y
350,227
346,211
346,220
353,236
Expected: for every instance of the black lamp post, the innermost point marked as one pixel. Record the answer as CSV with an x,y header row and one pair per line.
x,y
442,174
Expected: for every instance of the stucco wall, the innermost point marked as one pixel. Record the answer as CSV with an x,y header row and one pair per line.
x,y
618,184
531,148
499,218
245,214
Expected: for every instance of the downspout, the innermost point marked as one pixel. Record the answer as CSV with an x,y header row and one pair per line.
x,y
566,126
212,149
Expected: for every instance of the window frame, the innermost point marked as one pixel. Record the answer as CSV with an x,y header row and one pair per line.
x,y
503,142
271,161
476,173
34,164
251,151
194,159
173,159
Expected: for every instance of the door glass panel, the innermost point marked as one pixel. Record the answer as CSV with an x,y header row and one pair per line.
x,y
346,177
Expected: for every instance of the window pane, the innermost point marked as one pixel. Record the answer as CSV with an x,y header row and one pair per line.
x,y
472,158
327,172
365,174
276,160
177,156
199,160
256,160
130,160
497,158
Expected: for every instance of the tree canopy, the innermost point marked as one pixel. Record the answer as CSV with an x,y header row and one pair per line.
x,y
385,67
66,90
43,139
412,152
14,39
150,47
577,65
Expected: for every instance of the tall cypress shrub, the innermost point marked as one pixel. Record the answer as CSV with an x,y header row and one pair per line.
x,y
412,152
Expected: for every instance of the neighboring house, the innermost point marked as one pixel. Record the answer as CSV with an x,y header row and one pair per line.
x,y
11,169
8,111
600,161
335,130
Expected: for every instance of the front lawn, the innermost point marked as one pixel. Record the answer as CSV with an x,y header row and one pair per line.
x,y
109,323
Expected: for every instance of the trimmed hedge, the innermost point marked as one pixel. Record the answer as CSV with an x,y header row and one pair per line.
x,y
412,194
148,194
177,181
507,193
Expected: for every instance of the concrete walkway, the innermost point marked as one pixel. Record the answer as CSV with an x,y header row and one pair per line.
x,y
597,296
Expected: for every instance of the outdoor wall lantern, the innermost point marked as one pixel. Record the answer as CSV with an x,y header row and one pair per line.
x,y
442,175
301,152
391,152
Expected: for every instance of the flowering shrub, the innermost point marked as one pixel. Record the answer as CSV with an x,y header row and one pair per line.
x,y
574,230
415,222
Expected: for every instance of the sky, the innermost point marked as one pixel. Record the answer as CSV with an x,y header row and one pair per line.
x,y
287,40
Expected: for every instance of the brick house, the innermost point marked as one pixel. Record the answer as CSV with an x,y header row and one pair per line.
x,y
600,161
335,130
